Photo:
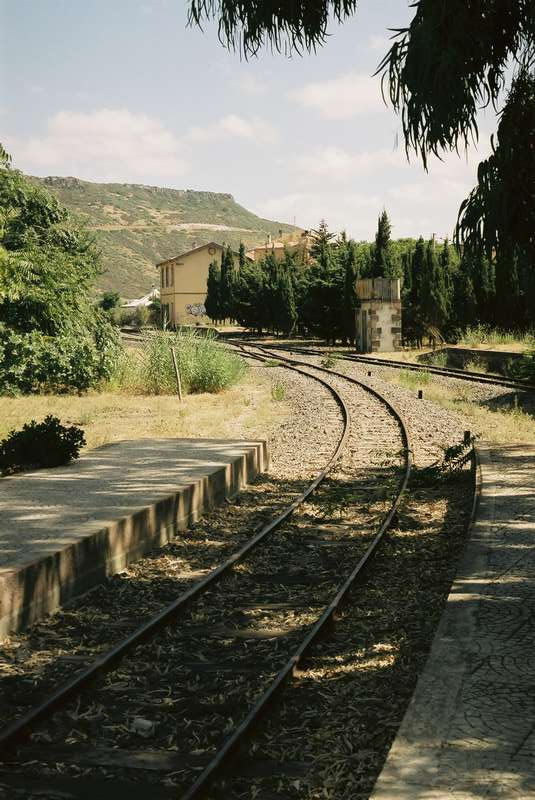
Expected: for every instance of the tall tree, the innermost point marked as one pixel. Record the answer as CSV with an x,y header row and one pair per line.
x,y
227,281
434,300
53,336
382,256
212,303
242,258
498,218
321,249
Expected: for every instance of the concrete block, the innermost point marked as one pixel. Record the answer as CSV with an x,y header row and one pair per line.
x,y
64,530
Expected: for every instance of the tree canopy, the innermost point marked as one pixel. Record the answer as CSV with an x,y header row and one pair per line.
x,y
52,336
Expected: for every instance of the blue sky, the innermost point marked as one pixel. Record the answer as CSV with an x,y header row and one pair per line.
x,y
125,91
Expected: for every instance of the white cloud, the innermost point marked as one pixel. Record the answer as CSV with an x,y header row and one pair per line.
x,y
344,97
379,43
235,127
251,85
339,164
106,144
417,202
343,211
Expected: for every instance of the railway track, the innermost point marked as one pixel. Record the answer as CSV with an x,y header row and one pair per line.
x,y
445,372
227,657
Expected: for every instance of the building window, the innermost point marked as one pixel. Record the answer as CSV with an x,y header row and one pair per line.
x,y
167,276
162,276
172,276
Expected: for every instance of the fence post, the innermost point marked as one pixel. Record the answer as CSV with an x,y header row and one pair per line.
x,y
177,375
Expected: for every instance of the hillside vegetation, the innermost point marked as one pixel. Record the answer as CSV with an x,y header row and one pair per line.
x,y
137,226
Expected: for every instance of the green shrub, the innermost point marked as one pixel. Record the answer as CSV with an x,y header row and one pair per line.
x,y
203,363
33,362
40,444
329,360
439,359
523,369
476,365
412,379
278,392
485,334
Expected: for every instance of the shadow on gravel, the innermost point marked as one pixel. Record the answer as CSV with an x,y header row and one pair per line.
x,y
89,625
511,401
346,708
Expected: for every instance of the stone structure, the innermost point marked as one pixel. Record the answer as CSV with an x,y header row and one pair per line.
x,y
378,317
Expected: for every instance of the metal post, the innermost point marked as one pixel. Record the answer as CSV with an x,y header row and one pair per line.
x,y
467,437
420,394
177,375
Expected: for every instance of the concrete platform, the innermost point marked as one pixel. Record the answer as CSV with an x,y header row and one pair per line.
x,y
469,732
64,530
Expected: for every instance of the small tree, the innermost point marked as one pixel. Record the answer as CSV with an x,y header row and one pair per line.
x,y
109,301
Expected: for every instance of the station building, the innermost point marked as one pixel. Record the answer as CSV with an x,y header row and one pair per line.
x,y
378,317
183,283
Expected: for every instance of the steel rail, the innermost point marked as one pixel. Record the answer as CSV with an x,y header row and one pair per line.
x,y
218,763
21,727
445,372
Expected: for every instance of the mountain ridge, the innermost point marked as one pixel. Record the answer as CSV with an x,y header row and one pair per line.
x,y
137,226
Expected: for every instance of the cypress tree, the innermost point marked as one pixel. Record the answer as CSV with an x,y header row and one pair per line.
x,y
382,257
247,293
242,259
321,249
285,304
212,303
464,298
482,274
350,265
434,302
227,280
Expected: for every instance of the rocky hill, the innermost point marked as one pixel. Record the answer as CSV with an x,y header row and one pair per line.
x,y
138,226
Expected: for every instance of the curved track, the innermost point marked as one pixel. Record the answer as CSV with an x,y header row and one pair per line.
x,y
266,689
445,372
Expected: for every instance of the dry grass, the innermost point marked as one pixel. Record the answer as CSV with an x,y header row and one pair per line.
x,y
507,424
247,410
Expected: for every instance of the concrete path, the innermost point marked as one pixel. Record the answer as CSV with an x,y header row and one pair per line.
x,y
63,530
469,732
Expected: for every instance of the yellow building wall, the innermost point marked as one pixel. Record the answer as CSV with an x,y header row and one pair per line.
x,y
188,275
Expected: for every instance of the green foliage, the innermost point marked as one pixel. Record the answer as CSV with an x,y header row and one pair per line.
x,y
34,362
212,303
278,392
109,301
52,337
329,360
226,286
439,359
413,379
523,369
204,364
382,256
40,444
499,215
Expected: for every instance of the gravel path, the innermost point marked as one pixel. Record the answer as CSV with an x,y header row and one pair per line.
x,y
432,428
336,722
32,662
192,684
